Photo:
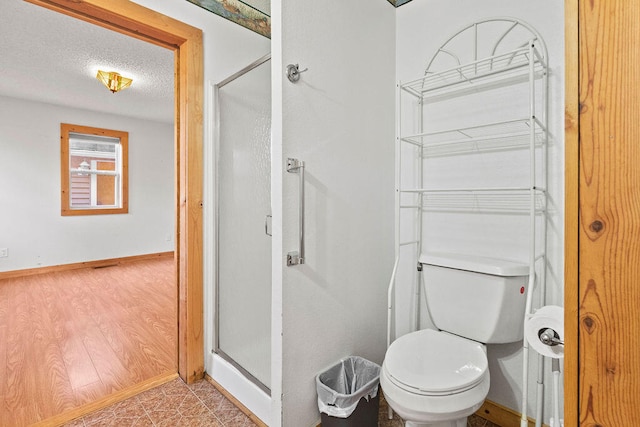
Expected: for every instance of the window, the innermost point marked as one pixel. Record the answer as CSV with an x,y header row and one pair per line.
x,y
93,170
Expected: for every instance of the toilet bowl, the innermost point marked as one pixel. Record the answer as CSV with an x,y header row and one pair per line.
x,y
435,379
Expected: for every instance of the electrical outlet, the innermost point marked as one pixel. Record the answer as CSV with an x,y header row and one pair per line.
x,y
4,252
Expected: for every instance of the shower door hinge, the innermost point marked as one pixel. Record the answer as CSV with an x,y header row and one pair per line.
x,y
293,258
294,164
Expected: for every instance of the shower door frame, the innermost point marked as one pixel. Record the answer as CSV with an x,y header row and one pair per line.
x,y
216,334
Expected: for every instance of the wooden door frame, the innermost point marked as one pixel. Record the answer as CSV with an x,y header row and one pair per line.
x,y
571,212
145,24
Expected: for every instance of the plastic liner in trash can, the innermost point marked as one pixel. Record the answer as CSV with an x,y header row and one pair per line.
x,y
348,393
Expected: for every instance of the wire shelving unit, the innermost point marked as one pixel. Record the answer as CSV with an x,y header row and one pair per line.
x,y
524,66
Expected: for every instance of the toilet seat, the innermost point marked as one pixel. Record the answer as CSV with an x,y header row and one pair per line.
x,y
433,363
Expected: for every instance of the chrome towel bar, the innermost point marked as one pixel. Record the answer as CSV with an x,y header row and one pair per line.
x,y
297,257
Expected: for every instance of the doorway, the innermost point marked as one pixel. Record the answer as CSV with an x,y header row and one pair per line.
x,y
186,41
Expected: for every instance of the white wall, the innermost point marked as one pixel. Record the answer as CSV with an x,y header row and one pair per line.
x,y
339,119
32,227
422,26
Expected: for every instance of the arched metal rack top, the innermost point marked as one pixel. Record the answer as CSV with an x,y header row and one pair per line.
x,y
498,45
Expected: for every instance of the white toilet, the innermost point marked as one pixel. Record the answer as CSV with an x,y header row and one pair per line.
x,y
438,378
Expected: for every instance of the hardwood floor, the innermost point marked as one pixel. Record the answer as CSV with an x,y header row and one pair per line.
x,y
72,337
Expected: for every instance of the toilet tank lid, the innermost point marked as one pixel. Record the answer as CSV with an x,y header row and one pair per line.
x,y
478,264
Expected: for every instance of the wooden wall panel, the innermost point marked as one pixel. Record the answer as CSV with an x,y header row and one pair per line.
x,y
571,215
609,233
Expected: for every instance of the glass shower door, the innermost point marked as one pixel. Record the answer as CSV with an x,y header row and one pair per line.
x,y
244,204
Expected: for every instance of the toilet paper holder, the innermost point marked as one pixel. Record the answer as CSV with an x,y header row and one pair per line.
x,y
549,337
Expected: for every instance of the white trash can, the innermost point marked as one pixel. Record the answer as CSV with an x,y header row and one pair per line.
x,y
348,393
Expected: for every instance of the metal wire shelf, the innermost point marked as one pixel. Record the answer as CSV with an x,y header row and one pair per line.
x,y
503,68
512,133
496,200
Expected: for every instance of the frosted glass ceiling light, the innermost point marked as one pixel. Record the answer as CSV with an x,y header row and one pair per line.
x,y
113,81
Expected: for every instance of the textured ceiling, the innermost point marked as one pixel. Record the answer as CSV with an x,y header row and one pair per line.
x,y
52,58
49,57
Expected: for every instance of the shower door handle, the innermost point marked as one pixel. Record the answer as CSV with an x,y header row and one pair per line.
x,y
297,257
267,225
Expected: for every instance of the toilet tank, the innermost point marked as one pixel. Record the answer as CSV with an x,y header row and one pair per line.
x,y
479,298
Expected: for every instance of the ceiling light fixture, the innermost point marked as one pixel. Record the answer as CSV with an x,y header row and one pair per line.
x,y
113,81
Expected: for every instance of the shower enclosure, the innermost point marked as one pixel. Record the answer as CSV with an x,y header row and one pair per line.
x,y
243,262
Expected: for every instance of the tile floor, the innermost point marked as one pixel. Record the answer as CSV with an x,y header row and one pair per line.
x,y
476,421
176,404
172,404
